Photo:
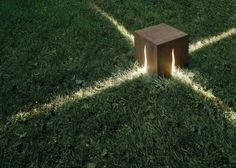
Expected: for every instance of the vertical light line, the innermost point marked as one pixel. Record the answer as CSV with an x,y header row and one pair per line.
x,y
145,58
173,68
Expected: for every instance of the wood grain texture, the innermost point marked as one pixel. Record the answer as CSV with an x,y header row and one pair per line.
x,y
159,41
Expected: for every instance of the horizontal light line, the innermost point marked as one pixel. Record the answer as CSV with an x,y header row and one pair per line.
x,y
83,93
211,40
116,80
192,48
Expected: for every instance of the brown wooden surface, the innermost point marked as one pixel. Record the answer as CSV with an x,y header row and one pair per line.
x,y
159,41
164,59
160,34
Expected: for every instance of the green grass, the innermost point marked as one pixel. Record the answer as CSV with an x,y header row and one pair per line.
x,y
52,49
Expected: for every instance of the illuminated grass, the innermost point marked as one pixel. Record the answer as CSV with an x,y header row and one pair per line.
x,y
83,93
185,78
211,40
124,76
67,67
117,25
99,86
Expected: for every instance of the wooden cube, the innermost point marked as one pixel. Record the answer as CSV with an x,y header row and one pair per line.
x,y
157,43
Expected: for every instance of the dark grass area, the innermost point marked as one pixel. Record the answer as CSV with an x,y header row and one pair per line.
x,y
199,19
122,127
215,66
53,48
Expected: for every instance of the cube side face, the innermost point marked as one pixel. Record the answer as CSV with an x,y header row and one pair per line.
x,y
146,48
180,47
164,54
151,53
139,48
164,59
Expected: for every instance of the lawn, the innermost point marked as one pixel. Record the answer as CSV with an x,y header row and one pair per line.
x,y
68,97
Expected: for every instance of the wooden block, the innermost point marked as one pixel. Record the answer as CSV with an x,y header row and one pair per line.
x,y
157,43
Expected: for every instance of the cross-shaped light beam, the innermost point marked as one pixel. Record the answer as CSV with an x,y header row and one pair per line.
x,y
132,74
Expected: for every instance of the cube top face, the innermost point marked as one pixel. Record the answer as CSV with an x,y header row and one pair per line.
x,y
160,34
